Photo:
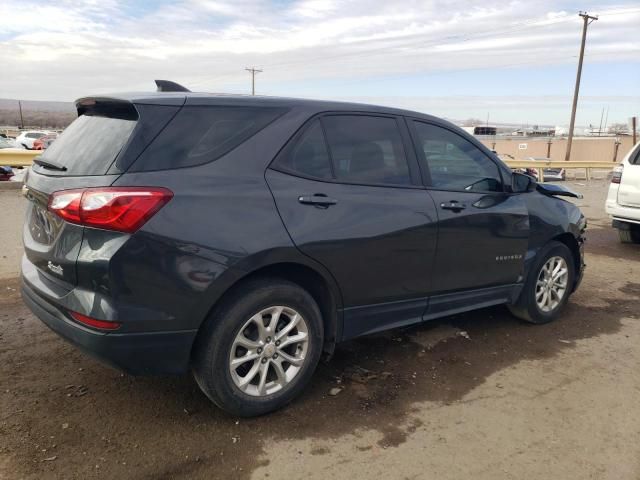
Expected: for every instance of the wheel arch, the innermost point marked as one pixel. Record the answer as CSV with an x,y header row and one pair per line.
x,y
320,286
570,241
572,244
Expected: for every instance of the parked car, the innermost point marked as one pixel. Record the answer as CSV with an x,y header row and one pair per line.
x,y
27,138
7,143
6,174
550,174
44,142
623,199
243,237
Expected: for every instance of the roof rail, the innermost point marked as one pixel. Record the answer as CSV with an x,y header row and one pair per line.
x,y
169,86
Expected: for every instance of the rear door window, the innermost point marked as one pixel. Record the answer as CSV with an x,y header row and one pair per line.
x,y
200,134
366,149
89,145
308,156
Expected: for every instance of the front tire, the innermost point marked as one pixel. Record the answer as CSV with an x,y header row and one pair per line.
x,y
548,286
259,349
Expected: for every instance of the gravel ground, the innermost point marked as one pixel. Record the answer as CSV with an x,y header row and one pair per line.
x,y
478,395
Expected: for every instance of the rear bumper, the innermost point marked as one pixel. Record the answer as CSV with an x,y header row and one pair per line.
x,y
153,353
621,213
622,223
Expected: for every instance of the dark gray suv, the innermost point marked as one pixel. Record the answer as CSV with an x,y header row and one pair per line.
x,y
243,237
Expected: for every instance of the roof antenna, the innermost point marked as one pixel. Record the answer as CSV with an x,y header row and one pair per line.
x,y
169,86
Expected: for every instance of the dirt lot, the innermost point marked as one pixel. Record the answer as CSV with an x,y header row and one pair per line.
x,y
479,395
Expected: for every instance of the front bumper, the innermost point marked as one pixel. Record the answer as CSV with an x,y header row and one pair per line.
x,y
580,269
154,353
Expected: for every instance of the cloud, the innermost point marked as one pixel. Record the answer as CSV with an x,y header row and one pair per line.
x,y
77,47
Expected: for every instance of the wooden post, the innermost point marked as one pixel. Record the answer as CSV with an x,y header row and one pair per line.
x,y
616,145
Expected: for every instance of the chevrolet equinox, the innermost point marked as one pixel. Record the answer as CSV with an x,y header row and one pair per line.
x,y
241,238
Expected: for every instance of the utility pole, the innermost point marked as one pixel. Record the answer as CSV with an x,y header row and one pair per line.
x,y
616,146
253,72
587,19
601,117
21,119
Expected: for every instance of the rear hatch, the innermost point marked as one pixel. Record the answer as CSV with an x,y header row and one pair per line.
x,y
81,157
629,189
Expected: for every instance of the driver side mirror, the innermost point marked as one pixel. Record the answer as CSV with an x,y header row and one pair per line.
x,y
522,183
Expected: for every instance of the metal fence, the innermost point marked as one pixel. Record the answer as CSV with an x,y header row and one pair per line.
x,y
24,158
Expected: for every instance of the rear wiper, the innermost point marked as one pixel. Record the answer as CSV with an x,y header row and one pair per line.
x,y
49,164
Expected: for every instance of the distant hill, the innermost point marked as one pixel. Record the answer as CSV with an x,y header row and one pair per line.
x,y
36,113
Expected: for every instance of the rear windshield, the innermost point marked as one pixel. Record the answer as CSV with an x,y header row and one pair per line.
x,y
200,134
89,145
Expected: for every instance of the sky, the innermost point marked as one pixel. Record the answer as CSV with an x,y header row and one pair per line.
x,y
508,62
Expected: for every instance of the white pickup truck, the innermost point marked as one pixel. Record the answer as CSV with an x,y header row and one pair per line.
x,y
623,200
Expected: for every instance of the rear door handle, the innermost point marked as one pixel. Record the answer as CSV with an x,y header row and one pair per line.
x,y
453,205
317,199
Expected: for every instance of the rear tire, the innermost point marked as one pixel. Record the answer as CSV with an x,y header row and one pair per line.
x,y
249,370
546,292
629,236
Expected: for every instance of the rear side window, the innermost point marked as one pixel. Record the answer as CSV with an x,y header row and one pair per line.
x,y
308,156
89,145
366,149
634,159
199,135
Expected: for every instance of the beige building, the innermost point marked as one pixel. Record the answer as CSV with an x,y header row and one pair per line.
x,y
585,149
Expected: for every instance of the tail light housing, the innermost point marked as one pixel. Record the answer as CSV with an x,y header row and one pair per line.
x,y
123,209
617,174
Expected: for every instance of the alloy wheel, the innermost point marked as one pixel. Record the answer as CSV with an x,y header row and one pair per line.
x,y
551,286
269,351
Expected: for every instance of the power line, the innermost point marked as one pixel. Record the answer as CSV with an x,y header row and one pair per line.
x,y
422,43
253,71
587,20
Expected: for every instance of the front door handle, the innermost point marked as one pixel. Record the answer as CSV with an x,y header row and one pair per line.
x,y
317,199
453,205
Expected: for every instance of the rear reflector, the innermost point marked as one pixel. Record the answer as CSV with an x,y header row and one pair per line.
x,y
123,209
92,322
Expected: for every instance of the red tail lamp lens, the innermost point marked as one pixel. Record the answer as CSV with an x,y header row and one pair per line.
x,y
123,209
617,175
94,323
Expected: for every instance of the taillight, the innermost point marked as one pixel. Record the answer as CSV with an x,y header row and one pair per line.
x,y
92,322
124,209
617,174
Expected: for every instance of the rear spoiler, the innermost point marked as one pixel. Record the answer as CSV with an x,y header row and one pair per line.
x,y
104,106
556,190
